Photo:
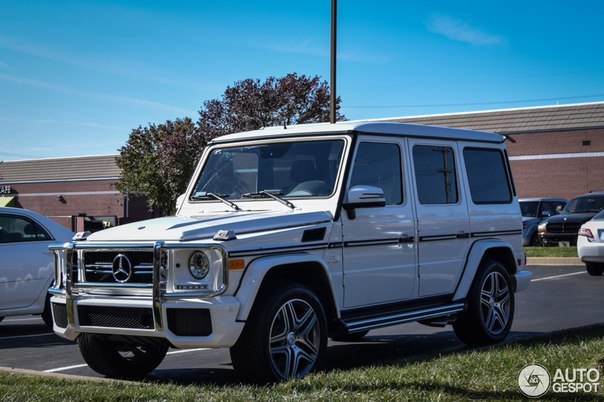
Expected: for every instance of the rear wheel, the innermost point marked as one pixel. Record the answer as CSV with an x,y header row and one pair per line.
x,y
121,359
594,269
490,312
285,335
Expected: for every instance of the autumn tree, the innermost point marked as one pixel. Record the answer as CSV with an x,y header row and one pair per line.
x,y
158,161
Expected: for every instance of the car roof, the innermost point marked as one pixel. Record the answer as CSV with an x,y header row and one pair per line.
x,y
381,128
596,193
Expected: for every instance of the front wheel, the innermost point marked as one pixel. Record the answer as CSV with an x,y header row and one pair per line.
x,y
594,269
120,359
285,335
490,312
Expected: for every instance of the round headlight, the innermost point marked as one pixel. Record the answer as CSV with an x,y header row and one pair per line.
x,y
199,265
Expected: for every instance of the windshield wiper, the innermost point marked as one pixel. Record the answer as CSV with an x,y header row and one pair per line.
x,y
272,194
219,197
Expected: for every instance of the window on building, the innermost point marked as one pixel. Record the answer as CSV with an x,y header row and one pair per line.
x,y
379,164
435,175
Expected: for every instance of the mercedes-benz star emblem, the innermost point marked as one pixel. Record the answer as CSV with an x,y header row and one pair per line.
x,y
121,268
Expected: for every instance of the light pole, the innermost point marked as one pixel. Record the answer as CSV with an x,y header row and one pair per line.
x,y
332,99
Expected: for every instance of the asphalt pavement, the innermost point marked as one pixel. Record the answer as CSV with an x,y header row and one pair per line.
x,y
559,297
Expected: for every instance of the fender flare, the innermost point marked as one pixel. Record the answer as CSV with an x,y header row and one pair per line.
x,y
475,255
257,270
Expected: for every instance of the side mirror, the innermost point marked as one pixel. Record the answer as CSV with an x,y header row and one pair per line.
x,y
363,197
559,208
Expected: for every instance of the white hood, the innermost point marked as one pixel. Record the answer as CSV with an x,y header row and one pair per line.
x,y
178,228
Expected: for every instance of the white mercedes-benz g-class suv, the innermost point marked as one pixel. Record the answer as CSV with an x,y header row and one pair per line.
x,y
287,236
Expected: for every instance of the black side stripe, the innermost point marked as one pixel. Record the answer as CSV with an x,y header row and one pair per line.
x,y
498,233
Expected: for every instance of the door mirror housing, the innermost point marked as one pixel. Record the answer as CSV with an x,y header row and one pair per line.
x,y
363,196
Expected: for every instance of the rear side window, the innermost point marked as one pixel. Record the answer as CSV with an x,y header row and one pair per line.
x,y
435,174
487,176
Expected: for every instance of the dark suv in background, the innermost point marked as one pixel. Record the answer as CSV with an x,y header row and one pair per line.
x,y
565,227
534,211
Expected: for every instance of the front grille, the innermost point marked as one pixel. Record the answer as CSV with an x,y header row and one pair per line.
x,y
59,314
189,322
100,266
116,317
563,227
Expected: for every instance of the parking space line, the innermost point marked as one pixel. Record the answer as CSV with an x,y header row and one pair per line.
x,y
174,352
557,276
65,368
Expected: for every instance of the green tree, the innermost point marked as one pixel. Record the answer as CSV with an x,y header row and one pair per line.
x,y
158,161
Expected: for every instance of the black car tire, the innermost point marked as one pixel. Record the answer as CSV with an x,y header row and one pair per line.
x,y
490,312
285,335
120,359
47,313
594,269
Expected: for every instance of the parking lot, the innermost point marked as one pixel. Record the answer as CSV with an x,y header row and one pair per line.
x,y
559,297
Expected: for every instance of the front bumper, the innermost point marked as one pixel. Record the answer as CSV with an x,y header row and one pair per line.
x,y
555,238
185,323
196,318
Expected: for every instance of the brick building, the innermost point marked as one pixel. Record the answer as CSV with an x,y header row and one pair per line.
x,y
559,150
77,192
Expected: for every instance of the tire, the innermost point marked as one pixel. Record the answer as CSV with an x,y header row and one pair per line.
x,y
285,336
594,269
47,313
354,337
120,359
490,312
535,241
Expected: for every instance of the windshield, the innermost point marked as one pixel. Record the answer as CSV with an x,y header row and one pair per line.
x,y
585,204
529,208
288,169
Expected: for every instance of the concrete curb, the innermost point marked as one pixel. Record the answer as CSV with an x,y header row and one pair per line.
x,y
553,261
67,377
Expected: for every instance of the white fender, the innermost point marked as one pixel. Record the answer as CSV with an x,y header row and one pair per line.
x,y
477,251
256,271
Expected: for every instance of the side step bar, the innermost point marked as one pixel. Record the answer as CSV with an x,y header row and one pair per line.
x,y
400,318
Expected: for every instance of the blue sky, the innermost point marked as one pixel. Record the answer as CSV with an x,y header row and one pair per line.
x,y
76,77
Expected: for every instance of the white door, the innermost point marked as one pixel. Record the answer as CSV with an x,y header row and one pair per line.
x,y
379,248
442,214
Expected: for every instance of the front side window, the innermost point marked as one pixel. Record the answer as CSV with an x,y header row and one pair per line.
x,y
379,165
435,175
487,176
585,204
529,208
17,229
290,169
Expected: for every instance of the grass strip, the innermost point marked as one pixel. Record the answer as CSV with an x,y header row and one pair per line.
x,y
471,374
550,251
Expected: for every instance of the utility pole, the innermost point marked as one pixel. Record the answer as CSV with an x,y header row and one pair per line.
x,y
334,31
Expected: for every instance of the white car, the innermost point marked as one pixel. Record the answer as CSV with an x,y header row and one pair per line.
x,y
590,244
26,264
288,236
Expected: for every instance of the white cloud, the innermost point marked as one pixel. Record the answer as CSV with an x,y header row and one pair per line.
x,y
461,31
103,63
126,100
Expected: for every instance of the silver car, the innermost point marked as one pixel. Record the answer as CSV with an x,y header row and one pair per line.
x,y
26,264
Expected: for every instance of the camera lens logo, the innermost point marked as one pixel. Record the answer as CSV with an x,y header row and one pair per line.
x,y
533,380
